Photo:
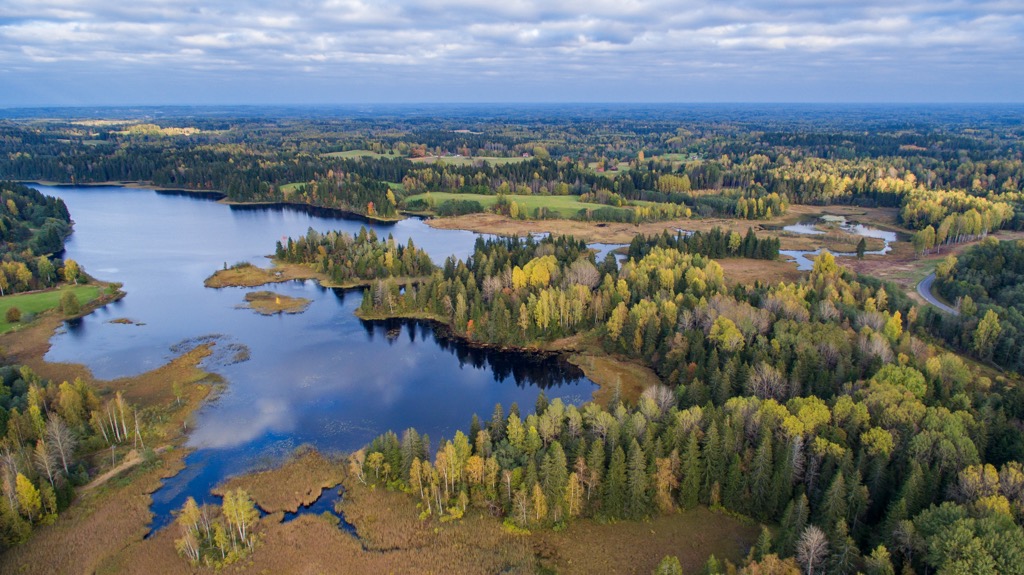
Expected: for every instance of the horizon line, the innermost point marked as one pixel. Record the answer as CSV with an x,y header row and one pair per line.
x,y
523,103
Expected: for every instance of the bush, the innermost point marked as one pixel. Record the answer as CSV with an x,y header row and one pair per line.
x,y
13,315
69,304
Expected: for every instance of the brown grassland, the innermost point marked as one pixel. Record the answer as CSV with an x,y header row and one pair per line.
x,y
747,271
622,233
287,487
270,303
253,276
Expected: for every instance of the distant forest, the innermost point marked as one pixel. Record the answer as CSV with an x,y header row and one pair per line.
x,y
746,162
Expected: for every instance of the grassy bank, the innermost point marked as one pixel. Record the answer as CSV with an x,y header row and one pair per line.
x,y
36,303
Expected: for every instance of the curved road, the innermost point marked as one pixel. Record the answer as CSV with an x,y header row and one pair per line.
x,y
925,289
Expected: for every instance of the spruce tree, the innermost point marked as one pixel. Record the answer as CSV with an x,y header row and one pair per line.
x,y
614,496
639,501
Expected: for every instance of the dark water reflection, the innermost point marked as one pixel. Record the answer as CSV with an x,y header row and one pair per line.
x,y
322,377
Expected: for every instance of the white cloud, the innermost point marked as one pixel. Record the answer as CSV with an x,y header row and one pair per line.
x,y
516,42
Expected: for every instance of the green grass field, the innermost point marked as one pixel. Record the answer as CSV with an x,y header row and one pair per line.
x,y
287,189
564,206
42,301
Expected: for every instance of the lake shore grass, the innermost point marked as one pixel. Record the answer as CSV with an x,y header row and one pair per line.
x,y
295,483
44,301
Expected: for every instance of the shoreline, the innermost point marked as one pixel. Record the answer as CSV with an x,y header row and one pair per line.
x,y
221,197
611,374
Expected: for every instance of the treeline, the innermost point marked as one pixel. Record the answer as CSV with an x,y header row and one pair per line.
x,y
33,228
359,257
881,469
753,169
45,432
511,291
346,191
713,244
987,283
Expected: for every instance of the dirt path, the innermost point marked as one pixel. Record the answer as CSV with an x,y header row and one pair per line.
x,y
131,460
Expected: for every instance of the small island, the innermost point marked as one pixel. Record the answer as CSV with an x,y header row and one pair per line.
x,y
245,274
271,303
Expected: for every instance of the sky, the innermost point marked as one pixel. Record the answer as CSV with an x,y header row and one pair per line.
x,y
216,52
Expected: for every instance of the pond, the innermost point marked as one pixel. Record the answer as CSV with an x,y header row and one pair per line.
x,y
322,377
805,258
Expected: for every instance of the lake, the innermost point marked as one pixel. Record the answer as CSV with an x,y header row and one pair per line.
x,y
322,377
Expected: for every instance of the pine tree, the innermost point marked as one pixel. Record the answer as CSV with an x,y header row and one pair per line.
x,y
614,497
554,475
595,467
834,505
497,424
761,478
843,556
715,468
689,491
732,496
638,503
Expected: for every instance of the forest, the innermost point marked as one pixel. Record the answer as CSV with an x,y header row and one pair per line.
x,y
48,430
986,282
820,406
33,228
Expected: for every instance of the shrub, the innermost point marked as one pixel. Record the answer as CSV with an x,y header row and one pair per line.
x,y
13,314
69,304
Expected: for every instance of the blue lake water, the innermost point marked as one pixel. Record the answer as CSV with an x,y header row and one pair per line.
x,y
322,377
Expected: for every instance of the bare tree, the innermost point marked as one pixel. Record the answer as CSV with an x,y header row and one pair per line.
x,y
812,549
662,397
583,273
61,438
45,460
492,285
766,382
8,475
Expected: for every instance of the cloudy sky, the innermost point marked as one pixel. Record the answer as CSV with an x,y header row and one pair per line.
x,y
127,52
